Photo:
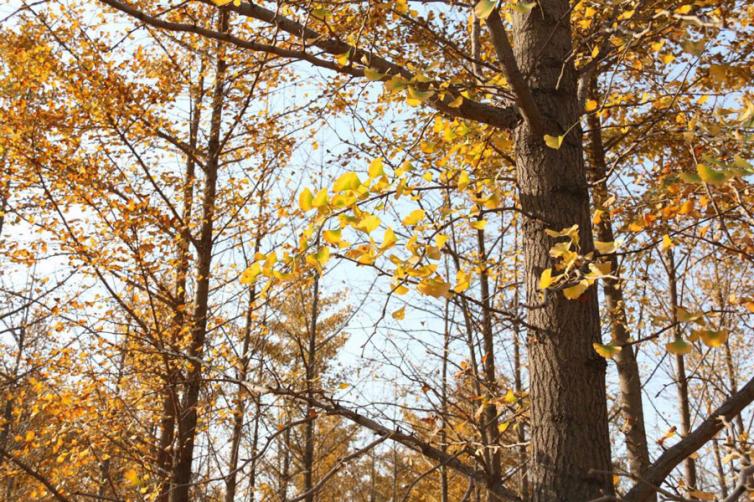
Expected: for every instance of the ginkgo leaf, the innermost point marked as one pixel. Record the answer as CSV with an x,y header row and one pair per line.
x,y
510,397
667,242
29,436
679,346
396,83
463,180
388,239
368,223
462,281
546,279
553,142
131,476
690,177
434,287
478,224
503,426
399,314
376,168
591,105
714,339
373,75
344,385
415,97
250,274
344,58
320,199
456,103
608,351
574,292
332,236
347,181
440,240
305,199
711,176
414,217
322,256
484,8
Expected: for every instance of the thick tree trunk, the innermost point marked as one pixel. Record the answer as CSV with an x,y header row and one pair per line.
x,y
569,429
189,407
629,379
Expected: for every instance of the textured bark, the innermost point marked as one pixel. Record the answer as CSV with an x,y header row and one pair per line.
x,y
189,407
569,429
629,378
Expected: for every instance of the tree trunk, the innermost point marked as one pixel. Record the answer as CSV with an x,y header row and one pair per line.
x,y
569,428
311,375
165,451
629,379
689,466
188,419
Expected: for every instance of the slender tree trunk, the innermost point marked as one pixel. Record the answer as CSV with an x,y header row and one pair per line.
x,y
629,378
311,413
165,453
285,470
490,381
689,466
235,440
444,403
189,408
570,441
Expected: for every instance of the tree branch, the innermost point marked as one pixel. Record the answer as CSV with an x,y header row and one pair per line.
x,y
501,118
521,89
673,456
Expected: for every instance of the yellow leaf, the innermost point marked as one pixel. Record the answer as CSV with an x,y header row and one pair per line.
x,y
250,274
320,258
388,239
415,97
510,397
29,436
484,8
414,217
503,426
331,236
347,181
440,240
373,75
435,287
667,242
683,9
576,291
343,385
400,290
463,180
343,59
607,351
456,103
462,281
595,51
553,142
678,347
597,218
714,339
305,199
711,176
131,476
545,280
376,168
478,224
605,247
399,314
591,105
320,199
368,223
